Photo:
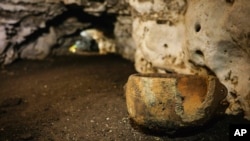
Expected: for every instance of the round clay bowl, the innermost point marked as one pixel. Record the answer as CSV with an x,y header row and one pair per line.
x,y
171,101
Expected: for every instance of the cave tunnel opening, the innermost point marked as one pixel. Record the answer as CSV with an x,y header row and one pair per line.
x,y
104,22
72,97
65,33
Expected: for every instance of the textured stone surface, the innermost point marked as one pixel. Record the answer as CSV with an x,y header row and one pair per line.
x,y
21,20
173,101
196,37
34,29
123,38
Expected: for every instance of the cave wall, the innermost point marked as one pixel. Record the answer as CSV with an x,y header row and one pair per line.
x,y
196,37
20,20
34,29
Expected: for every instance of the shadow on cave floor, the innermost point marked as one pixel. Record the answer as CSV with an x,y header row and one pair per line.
x,y
79,98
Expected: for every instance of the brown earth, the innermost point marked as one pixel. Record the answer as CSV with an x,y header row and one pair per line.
x,y
79,98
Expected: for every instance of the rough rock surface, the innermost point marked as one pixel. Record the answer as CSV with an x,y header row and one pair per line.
x,y
124,41
20,20
33,29
196,37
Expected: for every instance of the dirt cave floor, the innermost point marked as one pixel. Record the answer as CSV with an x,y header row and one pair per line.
x,y
78,98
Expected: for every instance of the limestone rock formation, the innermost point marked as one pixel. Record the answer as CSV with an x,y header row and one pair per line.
x,y
196,37
34,29
123,38
20,20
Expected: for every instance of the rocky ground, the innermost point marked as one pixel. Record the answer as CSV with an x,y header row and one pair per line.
x,y
79,98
